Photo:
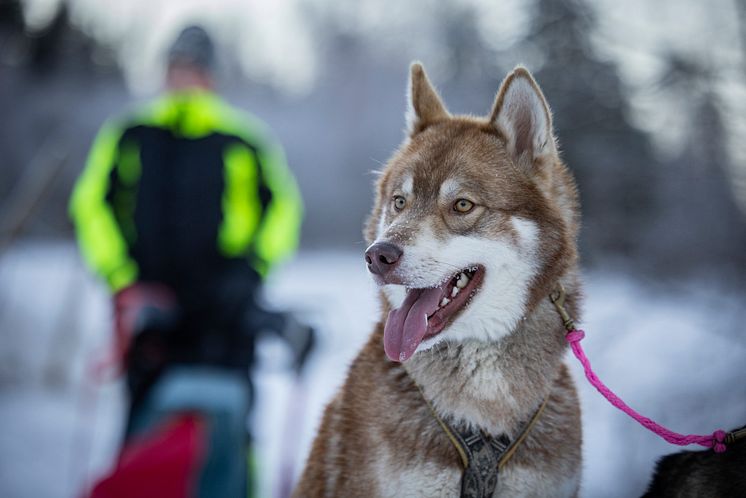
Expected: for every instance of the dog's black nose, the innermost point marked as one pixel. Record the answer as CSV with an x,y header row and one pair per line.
x,y
382,257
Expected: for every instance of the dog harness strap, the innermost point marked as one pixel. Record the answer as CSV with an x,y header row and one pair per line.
x,y
526,429
482,455
446,428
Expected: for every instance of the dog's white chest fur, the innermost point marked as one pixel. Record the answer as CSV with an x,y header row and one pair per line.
x,y
414,479
427,480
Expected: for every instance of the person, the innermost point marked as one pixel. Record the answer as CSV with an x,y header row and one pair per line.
x,y
184,206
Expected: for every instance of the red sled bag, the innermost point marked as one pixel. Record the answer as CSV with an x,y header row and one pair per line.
x,y
163,465
188,439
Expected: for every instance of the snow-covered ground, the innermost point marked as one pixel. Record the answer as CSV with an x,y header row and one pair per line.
x,y
676,353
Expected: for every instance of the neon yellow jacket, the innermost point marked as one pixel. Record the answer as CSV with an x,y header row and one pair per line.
x,y
195,142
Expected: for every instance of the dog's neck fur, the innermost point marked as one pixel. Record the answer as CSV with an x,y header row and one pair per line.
x,y
497,386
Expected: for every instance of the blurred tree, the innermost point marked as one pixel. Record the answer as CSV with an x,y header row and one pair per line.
x,y
57,82
465,54
11,18
54,82
613,161
699,225
473,70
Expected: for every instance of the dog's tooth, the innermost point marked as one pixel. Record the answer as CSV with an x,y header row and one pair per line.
x,y
454,291
462,281
445,301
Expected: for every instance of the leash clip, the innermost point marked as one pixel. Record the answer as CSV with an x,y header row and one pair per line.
x,y
732,436
558,299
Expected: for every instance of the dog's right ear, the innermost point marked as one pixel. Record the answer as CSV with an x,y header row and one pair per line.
x,y
424,104
522,116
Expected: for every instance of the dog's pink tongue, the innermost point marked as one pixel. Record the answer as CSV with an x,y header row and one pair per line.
x,y
406,325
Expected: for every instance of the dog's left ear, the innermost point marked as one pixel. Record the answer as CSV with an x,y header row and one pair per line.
x,y
521,114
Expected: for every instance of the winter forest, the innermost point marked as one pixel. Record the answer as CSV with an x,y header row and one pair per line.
x,y
649,106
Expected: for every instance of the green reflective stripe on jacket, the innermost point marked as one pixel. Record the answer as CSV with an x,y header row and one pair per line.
x,y
198,113
278,235
241,206
125,197
103,246
129,167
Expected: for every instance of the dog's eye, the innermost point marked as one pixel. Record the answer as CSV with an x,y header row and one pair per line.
x,y
463,206
399,202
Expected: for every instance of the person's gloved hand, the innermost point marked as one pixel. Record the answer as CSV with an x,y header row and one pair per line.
x,y
131,309
301,339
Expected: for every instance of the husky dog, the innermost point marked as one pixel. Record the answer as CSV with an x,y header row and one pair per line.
x,y
474,225
701,474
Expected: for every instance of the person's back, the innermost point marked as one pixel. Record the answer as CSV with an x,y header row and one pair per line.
x,y
191,191
191,185
185,185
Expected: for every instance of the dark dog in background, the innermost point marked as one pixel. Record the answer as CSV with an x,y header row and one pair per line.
x,y
701,474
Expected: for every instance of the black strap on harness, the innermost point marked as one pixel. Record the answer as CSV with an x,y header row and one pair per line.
x,y
482,455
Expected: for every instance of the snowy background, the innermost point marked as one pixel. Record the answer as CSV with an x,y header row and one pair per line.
x,y
649,102
674,352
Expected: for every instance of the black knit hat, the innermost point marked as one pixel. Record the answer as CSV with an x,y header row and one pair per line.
x,y
193,46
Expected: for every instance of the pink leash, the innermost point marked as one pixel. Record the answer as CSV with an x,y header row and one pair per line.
x,y
717,440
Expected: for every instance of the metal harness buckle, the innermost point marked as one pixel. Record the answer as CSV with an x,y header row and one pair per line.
x,y
557,297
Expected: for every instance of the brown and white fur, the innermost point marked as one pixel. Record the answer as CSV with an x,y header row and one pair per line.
x,y
501,353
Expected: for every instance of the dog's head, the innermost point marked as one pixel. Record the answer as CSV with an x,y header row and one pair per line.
x,y
474,221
